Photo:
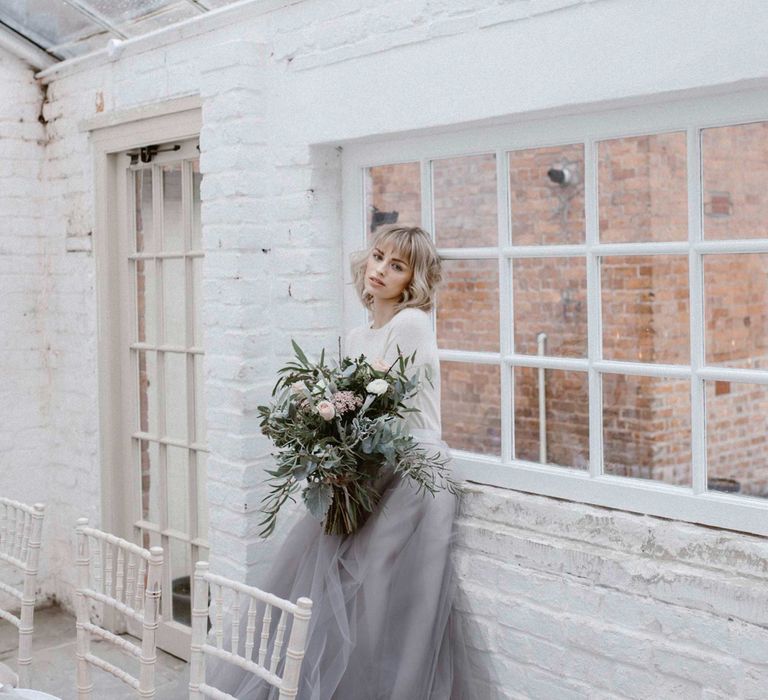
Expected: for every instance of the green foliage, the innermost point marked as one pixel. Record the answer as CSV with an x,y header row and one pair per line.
x,y
335,460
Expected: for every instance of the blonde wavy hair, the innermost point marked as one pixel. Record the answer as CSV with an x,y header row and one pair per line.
x,y
415,245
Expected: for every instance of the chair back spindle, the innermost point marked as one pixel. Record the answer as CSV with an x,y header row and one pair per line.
x,y
111,575
21,530
269,654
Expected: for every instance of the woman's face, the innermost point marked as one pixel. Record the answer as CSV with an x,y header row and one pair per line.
x,y
387,273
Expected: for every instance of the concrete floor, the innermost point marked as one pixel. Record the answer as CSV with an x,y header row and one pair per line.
x,y
53,661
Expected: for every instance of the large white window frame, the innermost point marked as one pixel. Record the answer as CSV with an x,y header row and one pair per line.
x,y
691,115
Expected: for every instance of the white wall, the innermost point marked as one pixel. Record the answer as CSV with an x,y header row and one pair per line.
x,y
47,378
567,600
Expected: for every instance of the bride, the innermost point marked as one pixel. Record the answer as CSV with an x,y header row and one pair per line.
x,y
383,624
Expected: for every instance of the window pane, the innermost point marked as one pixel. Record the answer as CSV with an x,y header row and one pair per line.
x,y
176,395
471,407
149,465
736,309
737,437
178,488
645,308
146,301
468,306
145,235
148,394
643,189
647,428
464,194
546,192
393,195
173,225
550,297
735,168
174,301
563,439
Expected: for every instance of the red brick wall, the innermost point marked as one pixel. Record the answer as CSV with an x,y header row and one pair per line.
x,y
394,188
544,213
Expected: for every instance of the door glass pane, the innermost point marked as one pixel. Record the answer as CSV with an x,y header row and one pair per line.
x,y
393,195
736,309
737,437
146,301
647,428
468,306
643,188
176,395
464,201
174,301
148,391
173,223
178,488
471,407
149,466
550,306
645,308
144,235
546,193
735,169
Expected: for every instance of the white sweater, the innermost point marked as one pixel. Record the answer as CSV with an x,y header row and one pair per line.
x,y
410,329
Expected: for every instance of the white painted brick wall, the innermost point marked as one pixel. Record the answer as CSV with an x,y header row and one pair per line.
x,y
48,430
579,601
563,600
27,360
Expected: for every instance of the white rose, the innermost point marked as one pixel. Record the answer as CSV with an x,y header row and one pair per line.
x,y
326,410
380,365
298,388
377,386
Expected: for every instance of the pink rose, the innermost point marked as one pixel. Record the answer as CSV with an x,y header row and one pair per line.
x,y
298,388
326,410
380,365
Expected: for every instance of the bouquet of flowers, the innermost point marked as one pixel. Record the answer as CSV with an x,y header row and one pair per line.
x,y
337,428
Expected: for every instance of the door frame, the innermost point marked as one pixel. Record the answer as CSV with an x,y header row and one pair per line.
x,y
110,135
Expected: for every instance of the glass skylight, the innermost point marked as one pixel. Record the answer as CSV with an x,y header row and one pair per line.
x,y
69,28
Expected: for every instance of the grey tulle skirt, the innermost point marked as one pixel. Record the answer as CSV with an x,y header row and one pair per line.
x,y
383,623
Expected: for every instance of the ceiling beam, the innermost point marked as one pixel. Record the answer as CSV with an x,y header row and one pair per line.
x,y
19,46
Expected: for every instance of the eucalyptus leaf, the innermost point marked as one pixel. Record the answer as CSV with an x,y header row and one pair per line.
x,y
300,353
317,498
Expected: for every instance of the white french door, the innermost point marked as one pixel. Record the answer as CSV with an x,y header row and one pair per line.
x,y
161,357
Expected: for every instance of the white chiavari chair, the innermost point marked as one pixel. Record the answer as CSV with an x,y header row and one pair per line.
x,y
211,587
125,578
21,528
